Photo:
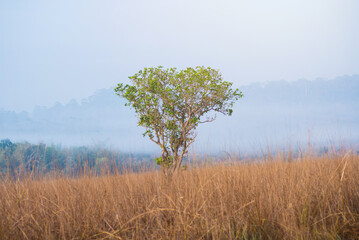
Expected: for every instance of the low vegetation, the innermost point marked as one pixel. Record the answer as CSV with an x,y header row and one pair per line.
x,y
314,197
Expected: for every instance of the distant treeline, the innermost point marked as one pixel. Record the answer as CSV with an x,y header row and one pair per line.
x,y
20,158
17,159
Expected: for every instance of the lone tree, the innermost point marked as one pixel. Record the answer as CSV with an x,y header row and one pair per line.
x,y
170,104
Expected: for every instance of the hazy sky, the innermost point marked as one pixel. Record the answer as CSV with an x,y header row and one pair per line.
x,y
52,51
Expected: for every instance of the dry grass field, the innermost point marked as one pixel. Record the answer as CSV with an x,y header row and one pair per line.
x,y
309,198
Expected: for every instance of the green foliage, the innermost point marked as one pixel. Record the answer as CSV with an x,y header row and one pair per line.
x,y
170,104
40,158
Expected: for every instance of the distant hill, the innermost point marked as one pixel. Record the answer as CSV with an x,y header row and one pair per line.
x,y
281,112
277,112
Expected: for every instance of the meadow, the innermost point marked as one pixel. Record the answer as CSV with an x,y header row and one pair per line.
x,y
309,197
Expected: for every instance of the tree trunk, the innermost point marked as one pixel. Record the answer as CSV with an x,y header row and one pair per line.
x,y
175,166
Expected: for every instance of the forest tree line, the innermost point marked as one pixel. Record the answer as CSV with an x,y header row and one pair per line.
x,y
24,157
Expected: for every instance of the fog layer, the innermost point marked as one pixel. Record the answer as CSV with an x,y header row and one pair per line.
x,y
275,114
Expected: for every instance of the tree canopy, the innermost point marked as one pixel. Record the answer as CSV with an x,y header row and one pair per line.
x,y
170,104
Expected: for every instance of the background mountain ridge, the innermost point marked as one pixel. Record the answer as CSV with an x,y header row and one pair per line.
x,y
277,111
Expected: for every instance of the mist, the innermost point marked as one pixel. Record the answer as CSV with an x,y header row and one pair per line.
x,y
60,61
55,51
278,114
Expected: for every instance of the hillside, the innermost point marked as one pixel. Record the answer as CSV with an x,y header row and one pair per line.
x,y
276,112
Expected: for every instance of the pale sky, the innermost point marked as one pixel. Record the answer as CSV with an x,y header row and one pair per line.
x,y
53,51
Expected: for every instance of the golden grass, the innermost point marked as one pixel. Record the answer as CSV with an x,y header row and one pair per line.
x,y
311,198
